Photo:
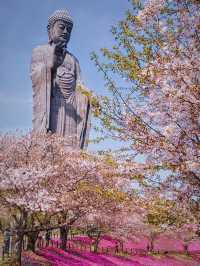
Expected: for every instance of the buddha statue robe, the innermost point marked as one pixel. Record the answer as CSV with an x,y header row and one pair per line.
x,y
57,105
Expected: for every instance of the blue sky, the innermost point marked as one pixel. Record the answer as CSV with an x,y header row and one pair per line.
x,y
23,26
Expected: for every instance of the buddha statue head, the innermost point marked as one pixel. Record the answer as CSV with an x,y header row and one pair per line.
x,y
59,27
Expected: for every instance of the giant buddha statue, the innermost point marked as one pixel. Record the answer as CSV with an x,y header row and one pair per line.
x,y
58,106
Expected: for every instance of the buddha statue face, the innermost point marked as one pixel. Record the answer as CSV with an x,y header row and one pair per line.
x,y
60,32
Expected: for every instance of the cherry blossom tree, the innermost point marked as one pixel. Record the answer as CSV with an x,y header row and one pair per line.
x,y
152,74
41,178
168,217
119,215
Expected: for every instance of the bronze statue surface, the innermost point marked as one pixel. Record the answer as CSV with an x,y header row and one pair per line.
x,y
58,106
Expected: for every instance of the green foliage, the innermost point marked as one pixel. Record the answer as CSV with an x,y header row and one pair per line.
x,y
163,213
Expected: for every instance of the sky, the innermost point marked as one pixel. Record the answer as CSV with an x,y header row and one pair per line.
x,y
23,26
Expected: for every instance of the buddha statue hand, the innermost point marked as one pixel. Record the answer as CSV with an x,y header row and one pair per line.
x,y
56,54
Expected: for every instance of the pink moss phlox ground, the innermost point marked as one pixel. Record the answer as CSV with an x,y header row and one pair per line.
x,y
161,244
142,244
165,261
194,246
85,240
59,258
84,258
167,244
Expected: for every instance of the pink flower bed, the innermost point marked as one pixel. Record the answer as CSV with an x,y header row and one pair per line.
x,y
83,239
107,243
194,247
167,244
142,244
61,258
165,261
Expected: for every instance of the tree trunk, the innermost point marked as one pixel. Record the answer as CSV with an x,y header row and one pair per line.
x,y
151,247
64,230
151,243
185,245
32,238
96,242
119,246
18,246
